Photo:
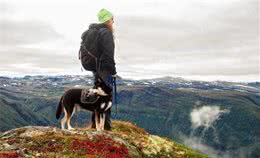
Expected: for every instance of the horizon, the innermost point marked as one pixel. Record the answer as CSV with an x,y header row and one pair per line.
x,y
132,78
200,40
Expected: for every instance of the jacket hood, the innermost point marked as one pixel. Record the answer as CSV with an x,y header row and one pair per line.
x,y
98,26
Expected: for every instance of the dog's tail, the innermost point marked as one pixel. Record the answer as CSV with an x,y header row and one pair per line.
x,y
59,109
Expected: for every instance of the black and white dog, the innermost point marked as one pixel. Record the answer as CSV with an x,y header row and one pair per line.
x,y
71,101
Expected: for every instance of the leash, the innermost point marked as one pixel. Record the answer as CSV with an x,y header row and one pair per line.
x,y
115,94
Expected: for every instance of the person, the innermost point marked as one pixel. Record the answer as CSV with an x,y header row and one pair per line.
x,y
105,46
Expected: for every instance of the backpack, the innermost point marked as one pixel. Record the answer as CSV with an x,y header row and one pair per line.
x,y
88,53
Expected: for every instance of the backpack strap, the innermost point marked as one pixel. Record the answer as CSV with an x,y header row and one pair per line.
x,y
96,59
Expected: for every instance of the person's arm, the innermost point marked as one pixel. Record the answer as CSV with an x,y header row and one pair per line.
x,y
107,44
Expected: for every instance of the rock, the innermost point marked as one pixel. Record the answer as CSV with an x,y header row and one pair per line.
x,y
125,140
8,147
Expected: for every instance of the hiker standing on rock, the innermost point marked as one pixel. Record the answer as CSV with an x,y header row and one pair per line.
x,y
98,42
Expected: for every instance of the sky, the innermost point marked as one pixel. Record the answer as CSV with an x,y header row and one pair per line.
x,y
194,39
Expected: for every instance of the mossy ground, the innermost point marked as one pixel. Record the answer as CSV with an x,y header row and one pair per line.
x,y
126,140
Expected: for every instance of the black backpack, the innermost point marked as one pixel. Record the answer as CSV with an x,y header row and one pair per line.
x,y
88,53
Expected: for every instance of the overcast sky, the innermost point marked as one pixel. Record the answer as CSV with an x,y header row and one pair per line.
x,y
194,39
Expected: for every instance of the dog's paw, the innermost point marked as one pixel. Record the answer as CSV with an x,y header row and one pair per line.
x,y
71,128
99,130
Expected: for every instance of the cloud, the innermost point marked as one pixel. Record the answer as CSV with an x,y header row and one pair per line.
x,y
27,59
5,8
215,29
195,143
205,116
21,32
174,38
214,39
242,152
203,120
31,46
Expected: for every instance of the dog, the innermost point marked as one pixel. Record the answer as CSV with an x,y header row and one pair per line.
x,y
71,101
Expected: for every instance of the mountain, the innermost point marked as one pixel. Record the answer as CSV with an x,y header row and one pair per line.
x,y
124,141
221,119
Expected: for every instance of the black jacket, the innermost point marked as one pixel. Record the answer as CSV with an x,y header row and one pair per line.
x,y
106,48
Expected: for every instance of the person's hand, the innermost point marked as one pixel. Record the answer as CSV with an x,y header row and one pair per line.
x,y
114,76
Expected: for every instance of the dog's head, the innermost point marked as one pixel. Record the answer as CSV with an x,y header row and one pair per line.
x,y
100,84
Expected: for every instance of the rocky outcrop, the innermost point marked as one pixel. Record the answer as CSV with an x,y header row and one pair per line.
x,y
124,141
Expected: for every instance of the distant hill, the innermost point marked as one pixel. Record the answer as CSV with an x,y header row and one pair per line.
x,y
124,141
221,119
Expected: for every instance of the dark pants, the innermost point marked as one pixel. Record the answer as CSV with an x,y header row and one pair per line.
x,y
107,78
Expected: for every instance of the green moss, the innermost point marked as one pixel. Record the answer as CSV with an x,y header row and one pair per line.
x,y
127,128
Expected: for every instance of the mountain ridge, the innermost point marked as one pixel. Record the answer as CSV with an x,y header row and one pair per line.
x,y
168,78
163,108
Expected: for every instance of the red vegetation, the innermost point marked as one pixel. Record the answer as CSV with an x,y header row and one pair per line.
x,y
9,155
52,147
12,141
101,145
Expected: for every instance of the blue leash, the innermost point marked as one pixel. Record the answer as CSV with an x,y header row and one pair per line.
x,y
115,94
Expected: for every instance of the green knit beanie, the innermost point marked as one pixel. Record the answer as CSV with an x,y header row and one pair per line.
x,y
104,15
